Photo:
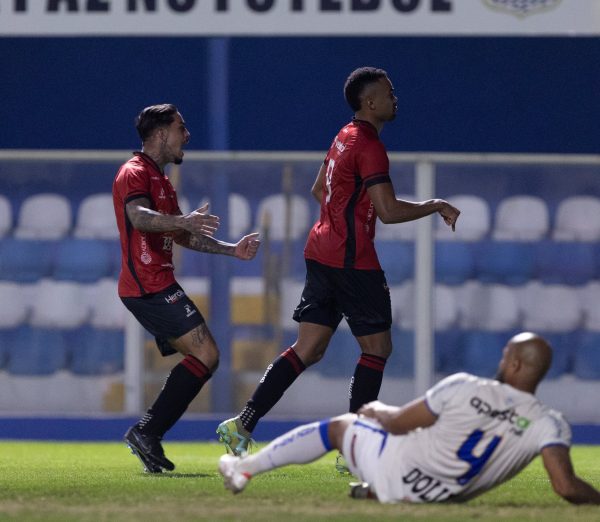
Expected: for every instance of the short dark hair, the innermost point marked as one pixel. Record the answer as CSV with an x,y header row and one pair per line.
x,y
153,117
357,81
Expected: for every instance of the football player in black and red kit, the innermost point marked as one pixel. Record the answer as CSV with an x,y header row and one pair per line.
x,y
149,222
343,276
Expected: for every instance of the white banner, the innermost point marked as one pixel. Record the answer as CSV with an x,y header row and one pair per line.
x,y
299,17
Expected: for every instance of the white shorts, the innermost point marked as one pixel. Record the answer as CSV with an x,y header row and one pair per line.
x,y
386,463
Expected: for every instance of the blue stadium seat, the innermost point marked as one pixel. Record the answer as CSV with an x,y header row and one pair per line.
x,y
563,352
401,362
82,260
25,260
397,258
562,262
586,363
190,263
6,339
454,262
37,351
449,351
96,351
504,262
483,351
341,356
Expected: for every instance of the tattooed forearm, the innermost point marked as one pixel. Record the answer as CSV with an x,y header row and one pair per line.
x,y
208,244
148,220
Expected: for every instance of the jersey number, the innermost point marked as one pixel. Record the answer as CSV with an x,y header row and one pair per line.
x,y
465,452
328,176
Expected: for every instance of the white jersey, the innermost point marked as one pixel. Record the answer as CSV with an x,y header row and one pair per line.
x,y
486,432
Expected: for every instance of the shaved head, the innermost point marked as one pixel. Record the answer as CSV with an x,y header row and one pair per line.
x,y
527,357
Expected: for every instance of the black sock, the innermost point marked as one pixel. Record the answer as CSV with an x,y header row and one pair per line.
x,y
278,378
366,381
181,387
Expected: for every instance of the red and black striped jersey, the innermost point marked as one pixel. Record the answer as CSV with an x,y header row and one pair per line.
x,y
146,257
344,234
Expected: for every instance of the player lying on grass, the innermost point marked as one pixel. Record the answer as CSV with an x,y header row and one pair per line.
x,y
464,437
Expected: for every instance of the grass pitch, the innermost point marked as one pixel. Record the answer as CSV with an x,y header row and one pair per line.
x,y
43,481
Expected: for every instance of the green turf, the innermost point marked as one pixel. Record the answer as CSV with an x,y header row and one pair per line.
x,y
103,482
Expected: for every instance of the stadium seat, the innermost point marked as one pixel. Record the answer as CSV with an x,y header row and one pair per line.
x,y
482,351
59,304
448,351
521,218
586,363
82,260
561,262
454,263
96,218
272,215
25,260
550,308
578,219
14,305
6,217
95,351
397,231
239,215
401,362
341,356
397,258
37,351
504,262
445,309
564,345
474,221
44,216
488,307
588,297
106,309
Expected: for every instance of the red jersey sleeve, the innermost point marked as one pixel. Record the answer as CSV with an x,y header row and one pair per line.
x,y
373,163
135,183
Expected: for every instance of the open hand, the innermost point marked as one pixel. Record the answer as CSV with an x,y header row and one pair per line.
x,y
198,222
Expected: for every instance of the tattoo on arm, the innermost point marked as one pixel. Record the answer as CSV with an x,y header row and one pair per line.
x,y
209,245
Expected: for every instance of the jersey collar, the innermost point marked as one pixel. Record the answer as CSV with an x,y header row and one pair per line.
x,y
144,157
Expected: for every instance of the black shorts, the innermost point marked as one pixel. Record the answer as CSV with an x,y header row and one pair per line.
x,y
362,297
167,314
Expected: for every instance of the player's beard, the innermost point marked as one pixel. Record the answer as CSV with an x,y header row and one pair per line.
x,y
499,376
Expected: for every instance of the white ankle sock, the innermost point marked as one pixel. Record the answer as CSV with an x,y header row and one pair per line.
x,y
298,446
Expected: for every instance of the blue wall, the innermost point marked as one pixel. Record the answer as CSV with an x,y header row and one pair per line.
x,y
455,94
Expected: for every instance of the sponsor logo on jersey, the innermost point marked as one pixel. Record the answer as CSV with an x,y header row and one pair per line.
x,y
522,8
339,145
510,415
145,256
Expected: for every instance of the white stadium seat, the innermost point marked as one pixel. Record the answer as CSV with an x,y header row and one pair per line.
x,y
106,309
578,219
59,304
488,307
550,308
445,309
96,218
473,223
272,211
397,231
521,218
44,216
5,216
14,304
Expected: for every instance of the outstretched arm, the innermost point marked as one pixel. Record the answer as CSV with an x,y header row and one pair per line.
x,y
317,188
244,249
392,210
145,219
565,482
399,419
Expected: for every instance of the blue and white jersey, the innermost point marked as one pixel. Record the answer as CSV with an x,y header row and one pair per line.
x,y
486,433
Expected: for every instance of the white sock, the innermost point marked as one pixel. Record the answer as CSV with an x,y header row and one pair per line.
x,y
298,446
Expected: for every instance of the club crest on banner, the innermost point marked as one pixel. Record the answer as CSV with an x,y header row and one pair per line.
x,y
522,8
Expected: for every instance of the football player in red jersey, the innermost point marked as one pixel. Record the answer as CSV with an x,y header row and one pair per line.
x,y
149,222
343,276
